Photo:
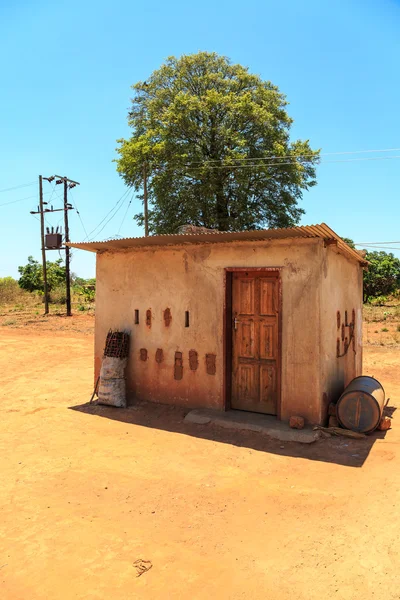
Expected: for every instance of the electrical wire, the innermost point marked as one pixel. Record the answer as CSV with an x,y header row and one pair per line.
x,y
109,212
16,187
370,248
112,216
22,199
126,212
78,213
52,193
374,243
294,155
278,164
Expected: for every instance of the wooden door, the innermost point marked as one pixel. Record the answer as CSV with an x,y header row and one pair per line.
x,y
255,343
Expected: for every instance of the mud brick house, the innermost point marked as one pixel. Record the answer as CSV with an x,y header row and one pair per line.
x,y
267,321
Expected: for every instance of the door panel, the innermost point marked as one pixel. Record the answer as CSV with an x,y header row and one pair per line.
x,y
248,382
246,339
246,296
268,341
267,296
268,388
255,342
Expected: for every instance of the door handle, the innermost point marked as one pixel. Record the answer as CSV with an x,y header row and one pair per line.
x,y
235,322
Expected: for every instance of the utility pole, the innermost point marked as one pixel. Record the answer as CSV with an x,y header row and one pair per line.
x,y
46,295
55,241
145,202
67,183
67,258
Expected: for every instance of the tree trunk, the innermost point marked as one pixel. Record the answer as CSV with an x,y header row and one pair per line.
x,y
221,200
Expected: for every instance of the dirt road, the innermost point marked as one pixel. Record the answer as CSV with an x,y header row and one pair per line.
x,y
85,492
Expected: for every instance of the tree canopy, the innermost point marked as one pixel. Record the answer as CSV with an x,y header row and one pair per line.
x,y
215,142
383,275
31,275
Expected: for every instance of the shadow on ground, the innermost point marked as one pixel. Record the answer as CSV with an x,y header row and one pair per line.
x,y
342,451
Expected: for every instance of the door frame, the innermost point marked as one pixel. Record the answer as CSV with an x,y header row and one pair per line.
x,y
228,327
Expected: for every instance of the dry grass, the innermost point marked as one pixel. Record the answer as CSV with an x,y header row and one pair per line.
x,y
19,307
382,324
12,295
378,314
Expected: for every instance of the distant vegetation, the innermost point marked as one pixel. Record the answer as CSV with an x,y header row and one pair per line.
x,y
382,278
29,289
381,282
10,292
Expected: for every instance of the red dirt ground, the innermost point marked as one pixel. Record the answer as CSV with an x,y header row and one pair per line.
x,y
85,493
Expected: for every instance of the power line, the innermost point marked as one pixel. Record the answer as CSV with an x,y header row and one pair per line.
x,y
16,187
279,164
126,212
112,216
78,213
379,248
52,193
374,243
294,155
109,212
22,199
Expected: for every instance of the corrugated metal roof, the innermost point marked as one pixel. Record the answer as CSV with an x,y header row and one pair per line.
x,y
212,237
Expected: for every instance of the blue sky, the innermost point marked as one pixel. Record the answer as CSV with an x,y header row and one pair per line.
x,y
66,71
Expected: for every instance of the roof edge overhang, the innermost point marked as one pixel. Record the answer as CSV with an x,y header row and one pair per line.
x,y
321,231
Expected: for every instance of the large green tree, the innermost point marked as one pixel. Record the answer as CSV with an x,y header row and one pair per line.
x,y
214,140
31,275
383,275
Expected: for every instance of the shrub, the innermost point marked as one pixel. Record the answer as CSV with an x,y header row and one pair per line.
x,y
58,295
378,301
10,292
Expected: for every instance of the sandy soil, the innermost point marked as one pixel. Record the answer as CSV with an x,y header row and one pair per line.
x,y
87,490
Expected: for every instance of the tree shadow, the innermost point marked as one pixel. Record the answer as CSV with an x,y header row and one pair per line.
x,y
339,450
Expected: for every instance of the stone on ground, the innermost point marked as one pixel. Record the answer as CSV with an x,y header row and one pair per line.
x,y
296,422
385,424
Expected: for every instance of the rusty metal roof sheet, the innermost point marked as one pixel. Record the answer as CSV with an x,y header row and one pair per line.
x,y
305,231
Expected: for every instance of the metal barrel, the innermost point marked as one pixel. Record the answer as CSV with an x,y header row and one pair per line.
x,y
360,407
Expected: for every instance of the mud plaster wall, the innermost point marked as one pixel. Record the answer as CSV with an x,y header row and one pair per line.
x,y
191,278
341,290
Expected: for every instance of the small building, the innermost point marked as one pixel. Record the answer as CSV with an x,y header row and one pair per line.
x,y
267,321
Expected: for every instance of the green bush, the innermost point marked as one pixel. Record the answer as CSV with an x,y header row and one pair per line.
x,y
382,277
85,293
58,295
378,301
32,275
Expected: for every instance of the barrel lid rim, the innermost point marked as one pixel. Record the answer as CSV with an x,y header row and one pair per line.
x,y
369,377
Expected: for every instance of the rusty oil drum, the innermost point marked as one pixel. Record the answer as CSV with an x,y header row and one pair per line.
x,y
360,407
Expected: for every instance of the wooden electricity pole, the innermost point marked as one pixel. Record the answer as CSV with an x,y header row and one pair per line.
x,y
145,202
68,183
67,257
46,295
